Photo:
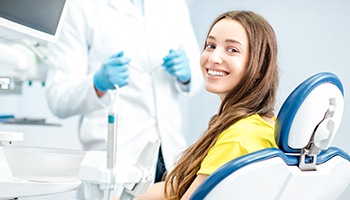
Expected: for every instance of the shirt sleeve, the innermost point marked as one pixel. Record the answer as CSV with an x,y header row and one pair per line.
x,y
221,153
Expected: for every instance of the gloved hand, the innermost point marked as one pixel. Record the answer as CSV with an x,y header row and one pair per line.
x,y
113,71
178,65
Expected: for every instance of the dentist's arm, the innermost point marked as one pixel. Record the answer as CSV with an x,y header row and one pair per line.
x,y
177,64
114,71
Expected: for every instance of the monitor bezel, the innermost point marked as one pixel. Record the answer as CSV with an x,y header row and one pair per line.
x,y
37,34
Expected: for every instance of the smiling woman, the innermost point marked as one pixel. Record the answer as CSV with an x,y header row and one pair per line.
x,y
239,62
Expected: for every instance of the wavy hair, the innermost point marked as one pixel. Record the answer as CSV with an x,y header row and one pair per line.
x,y
255,93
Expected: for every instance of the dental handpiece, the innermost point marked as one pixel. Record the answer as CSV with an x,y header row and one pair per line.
x,y
112,140
112,134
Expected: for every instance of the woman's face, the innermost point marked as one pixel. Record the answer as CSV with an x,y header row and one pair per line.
x,y
225,57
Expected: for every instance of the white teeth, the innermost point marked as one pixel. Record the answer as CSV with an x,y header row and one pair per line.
x,y
216,73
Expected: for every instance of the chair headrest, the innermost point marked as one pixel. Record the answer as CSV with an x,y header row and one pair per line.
x,y
313,111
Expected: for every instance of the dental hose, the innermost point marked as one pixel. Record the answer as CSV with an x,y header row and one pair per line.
x,y
112,139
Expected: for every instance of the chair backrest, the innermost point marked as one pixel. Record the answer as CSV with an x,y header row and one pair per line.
x,y
304,166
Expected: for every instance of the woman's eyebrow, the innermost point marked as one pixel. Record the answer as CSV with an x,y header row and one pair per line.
x,y
211,37
227,40
233,41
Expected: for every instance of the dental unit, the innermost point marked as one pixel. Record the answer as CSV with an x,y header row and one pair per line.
x,y
30,172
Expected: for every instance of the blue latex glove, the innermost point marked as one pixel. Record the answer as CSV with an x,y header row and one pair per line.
x,y
178,65
113,71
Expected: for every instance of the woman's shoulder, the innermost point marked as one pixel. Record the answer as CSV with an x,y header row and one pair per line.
x,y
252,123
255,120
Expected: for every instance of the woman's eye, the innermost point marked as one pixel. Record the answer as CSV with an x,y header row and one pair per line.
x,y
210,46
232,50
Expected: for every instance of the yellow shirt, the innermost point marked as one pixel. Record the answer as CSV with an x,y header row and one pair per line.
x,y
246,136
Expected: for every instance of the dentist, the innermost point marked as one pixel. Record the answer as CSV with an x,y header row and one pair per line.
x,y
148,48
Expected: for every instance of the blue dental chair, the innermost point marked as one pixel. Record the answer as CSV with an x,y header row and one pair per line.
x,y
304,166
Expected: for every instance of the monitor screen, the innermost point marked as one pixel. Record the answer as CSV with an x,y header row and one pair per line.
x,y
38,18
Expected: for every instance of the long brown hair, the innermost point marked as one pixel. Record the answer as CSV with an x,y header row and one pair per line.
x,y
255,93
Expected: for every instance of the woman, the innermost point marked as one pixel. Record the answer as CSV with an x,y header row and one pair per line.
x,y
239,63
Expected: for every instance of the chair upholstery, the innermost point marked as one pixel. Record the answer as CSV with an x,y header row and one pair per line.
x,y
304,166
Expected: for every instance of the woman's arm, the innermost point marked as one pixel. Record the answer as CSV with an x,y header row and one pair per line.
x,y
199,179
154,192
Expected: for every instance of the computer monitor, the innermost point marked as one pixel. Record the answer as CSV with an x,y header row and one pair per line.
x,y
41,19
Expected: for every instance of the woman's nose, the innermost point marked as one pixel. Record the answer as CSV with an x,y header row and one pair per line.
x,y
215,57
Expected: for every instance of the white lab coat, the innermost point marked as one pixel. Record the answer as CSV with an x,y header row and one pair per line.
x,y
148,108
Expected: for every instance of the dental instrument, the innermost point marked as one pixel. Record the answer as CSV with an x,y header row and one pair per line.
x,y
41,55
143,163
98,170
112,139
144,75
148,74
